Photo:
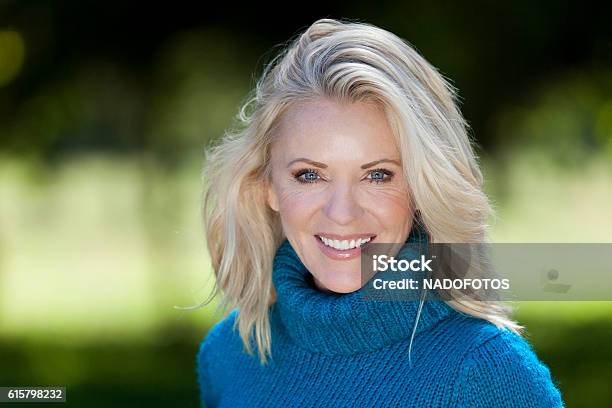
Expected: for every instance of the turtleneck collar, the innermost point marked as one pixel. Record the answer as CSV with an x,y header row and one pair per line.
x,y
344,324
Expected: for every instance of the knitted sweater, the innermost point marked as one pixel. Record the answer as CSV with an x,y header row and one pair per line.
x,y
339,350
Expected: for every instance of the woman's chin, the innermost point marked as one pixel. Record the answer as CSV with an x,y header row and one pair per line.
x,y
334,286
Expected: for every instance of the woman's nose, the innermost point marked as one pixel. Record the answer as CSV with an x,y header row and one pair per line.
x,y
342,206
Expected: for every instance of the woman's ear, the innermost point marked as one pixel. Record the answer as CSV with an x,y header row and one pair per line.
x,y
271,196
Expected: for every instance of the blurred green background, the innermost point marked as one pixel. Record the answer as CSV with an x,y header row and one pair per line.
x,y
105,110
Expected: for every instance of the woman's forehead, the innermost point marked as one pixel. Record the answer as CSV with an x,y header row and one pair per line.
x,y
324,109
324,125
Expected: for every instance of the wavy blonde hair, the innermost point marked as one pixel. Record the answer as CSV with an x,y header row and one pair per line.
x,y
345,61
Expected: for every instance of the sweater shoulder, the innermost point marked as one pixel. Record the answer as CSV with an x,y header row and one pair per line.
x,y
216,340
502,368
211,353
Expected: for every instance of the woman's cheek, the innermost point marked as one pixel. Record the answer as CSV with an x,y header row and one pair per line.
x,y
387,200
296,200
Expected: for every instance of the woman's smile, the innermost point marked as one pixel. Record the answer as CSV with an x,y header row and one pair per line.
x,y
343,248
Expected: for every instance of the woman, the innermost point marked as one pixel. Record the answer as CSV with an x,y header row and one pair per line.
x,y
350,138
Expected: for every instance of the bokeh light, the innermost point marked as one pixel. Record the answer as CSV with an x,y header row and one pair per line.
x,y
12,55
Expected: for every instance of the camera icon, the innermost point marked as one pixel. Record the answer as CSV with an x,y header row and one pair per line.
x,y
549,281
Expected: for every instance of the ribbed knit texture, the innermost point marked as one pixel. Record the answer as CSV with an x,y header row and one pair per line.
x,y
339,350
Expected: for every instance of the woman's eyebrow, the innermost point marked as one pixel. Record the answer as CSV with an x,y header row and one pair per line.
x,y
374,163
305,160
323,166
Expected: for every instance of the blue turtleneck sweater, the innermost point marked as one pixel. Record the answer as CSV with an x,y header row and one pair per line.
x,y
339,350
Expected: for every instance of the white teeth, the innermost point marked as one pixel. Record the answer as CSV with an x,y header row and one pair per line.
x,y
345,244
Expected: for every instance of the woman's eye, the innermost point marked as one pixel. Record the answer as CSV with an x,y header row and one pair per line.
x,y
312,176
380,176
307,176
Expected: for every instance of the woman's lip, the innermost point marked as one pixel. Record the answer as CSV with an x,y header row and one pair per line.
x,y
340,254
365,235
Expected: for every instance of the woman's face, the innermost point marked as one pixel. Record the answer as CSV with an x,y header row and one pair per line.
x,y
337,175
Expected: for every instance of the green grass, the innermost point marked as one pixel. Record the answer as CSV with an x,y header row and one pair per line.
x,y
99,247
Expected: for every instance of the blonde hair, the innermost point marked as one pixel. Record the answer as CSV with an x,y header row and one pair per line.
x,y
345,61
